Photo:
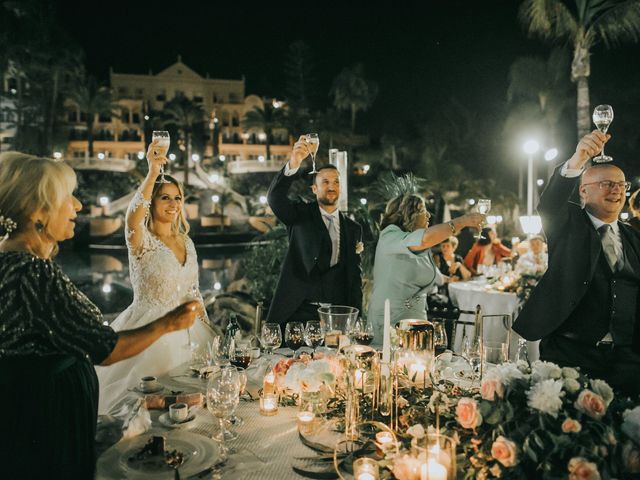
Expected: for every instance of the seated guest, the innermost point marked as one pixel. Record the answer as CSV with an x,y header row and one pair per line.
x,y
404,271
634,210
450,263
488,250
51,335
536,260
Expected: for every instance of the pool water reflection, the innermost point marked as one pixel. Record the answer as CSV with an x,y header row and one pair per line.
x,y
103,275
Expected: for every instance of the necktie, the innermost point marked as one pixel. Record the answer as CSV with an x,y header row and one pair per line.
x,y
608,245
333,234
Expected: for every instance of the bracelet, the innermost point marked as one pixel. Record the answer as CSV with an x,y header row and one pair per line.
x,y
453,227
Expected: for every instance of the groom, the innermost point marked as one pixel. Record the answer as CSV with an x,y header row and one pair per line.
x,y
321,264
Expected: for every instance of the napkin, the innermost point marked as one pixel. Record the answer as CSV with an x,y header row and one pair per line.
x,y
137,421
161,402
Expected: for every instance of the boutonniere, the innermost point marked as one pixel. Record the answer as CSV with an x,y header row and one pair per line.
x,y
359,248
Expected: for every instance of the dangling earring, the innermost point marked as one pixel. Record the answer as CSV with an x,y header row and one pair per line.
x,y
39,226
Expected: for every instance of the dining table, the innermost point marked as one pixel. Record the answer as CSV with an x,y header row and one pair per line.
x,y
466,296
265,448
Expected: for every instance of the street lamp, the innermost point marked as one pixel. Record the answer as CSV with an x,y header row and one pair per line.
x,y
550,154
530,147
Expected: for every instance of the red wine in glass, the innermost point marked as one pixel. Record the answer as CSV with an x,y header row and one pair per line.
x,y
363,338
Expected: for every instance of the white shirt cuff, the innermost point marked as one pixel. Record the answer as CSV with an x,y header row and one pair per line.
x,y
570,172
290,171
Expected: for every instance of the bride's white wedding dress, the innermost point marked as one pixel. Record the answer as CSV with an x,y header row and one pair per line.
x,y
160,283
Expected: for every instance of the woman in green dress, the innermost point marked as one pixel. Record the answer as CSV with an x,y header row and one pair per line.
x,y
51,334
404,271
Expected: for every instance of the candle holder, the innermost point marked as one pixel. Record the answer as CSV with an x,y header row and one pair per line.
x,y
416,365
366,469
415,335
384,441
437,456
268,404
362,365
306,422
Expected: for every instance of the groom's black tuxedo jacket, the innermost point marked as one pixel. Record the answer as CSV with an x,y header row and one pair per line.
x,y
304,265
575,249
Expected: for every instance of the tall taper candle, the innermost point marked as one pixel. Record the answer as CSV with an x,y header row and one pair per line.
x,y
386,339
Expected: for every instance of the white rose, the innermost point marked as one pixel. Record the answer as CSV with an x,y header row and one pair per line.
x,y
571,385
545,370
546,396
631,424
568,372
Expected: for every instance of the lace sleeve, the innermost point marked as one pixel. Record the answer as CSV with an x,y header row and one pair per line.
x,y
141,243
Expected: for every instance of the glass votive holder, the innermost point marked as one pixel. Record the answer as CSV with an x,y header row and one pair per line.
x,y
268,404
384,441
365,469
437,456
306,422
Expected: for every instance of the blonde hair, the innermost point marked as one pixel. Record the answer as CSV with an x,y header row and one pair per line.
x,y
180,226
403,211
29,184
453,241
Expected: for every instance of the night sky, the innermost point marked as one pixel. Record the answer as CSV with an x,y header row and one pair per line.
x,y
420,58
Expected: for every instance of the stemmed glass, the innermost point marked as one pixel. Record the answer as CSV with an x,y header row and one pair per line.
x,y
223,396
439,337
313,334
483,205
314,142
271,337
602,117
161,148
362,332
234,419
294,336
472,351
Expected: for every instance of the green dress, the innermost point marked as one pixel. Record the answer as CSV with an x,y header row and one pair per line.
x,y
402,276
51,335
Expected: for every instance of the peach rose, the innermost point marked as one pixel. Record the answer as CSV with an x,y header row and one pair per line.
x,y
581,469
505,451
467,413
491,388
591,404
571,426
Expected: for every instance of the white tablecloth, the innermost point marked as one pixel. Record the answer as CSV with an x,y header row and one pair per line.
x,y
467,295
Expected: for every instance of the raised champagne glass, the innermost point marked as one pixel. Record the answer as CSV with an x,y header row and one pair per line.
x,y
161,148
602,117
483,205
314,142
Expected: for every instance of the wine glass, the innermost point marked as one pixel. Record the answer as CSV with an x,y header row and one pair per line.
x,y
161,148
271,337
240,357
472,351
483,205
294,336
313,334
362,332
439,337
602,117
223,396
234,419
314,142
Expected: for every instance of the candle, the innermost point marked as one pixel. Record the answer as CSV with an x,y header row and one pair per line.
x,y
365,469
268,404
386,338
417,372
306,421
384,440
432,470
269,382
360,378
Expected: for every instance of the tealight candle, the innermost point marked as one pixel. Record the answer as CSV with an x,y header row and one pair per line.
x,y
417,372
306,421
365,469
360,378
268,404
269,382
383,442
433,470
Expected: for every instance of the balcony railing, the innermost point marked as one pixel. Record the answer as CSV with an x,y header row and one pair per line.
x,y
107,164
253,166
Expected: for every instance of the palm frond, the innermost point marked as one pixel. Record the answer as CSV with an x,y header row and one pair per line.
x,y
620,23
548,19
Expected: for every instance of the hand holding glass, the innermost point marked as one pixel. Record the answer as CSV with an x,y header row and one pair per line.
x,y
483,206
602,117
161,148
313,143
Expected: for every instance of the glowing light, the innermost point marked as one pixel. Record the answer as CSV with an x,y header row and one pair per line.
x,y
106,288
172,156
530,147
624,216
101,156
215,198
103,201
531,225
57,155
550,154
263,199
140,155
540,182
217,286
195,157
261,158
363,201
222,158
214,178
471,201
146,117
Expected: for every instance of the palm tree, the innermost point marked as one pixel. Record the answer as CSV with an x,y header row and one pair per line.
x,y
265,120
353,92
93,100
225,199
582,23
185,115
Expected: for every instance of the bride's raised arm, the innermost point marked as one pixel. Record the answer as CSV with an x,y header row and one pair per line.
x,y
141,202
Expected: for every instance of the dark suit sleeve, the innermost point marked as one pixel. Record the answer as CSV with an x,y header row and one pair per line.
x,y
554,202
288,212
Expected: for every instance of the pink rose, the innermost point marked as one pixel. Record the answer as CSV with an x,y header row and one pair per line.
x,y
571,426
491,388
581,469
467,413
591,404
505,451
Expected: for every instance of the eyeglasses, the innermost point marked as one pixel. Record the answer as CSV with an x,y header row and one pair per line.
x,y
609,185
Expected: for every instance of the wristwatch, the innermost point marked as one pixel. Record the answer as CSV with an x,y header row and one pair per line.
x,y
453,227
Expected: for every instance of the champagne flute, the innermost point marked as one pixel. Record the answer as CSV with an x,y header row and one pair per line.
x,y
161,148
602,117
271,337
294,336
313,143
313,334
483,205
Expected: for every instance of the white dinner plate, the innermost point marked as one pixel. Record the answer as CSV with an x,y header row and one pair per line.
x,y
200,452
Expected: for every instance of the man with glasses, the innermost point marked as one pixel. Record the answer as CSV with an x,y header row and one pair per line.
x,y
585,308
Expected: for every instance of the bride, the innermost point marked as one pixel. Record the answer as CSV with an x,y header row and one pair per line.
x,y
164,271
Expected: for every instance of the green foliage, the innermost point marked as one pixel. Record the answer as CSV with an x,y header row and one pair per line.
x,y
262,262
353,92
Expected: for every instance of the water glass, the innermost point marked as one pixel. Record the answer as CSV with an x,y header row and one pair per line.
x,y
271,337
